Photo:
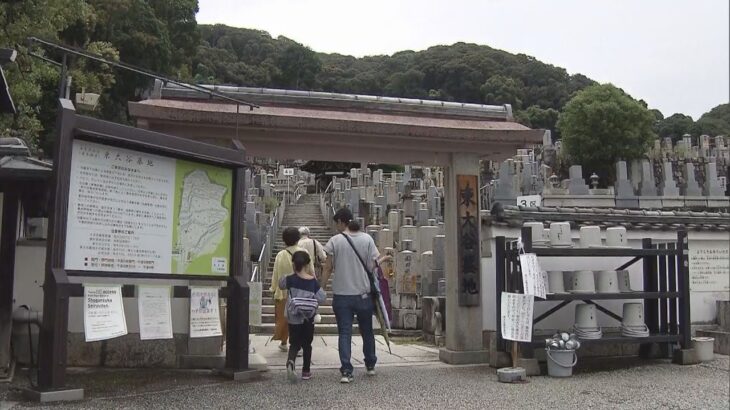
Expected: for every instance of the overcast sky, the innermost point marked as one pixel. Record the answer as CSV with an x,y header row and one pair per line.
x,y
671,53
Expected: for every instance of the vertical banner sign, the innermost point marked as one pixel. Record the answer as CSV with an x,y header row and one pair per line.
x,y
468,239
205,319
254,303
517,316
534,279
103,313
155,313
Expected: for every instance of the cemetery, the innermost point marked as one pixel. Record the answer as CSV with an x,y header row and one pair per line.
x,y
674,204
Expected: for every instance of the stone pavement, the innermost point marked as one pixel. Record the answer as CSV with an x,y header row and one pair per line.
x,y
325,354
601,384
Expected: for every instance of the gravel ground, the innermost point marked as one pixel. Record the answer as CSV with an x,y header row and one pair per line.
x,y
627,384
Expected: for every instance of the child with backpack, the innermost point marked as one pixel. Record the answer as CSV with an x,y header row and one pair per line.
x,y
305,295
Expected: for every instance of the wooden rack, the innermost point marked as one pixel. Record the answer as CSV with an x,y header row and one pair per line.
x,y
665,292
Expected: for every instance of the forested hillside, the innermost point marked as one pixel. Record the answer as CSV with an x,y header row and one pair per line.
x,y
163,36
460,72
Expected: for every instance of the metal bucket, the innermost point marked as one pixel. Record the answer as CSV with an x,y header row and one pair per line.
x,y
561,362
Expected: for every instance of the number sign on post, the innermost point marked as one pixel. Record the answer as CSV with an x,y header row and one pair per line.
x,y
529,200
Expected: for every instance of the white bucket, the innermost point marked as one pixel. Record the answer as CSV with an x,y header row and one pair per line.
x,y
561,362
704,346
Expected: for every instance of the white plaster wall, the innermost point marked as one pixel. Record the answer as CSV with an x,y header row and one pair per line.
x,y
29,276
702,305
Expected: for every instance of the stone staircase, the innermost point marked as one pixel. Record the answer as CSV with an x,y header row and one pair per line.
x,y
305,213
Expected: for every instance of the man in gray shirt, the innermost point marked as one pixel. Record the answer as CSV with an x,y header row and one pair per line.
x,y
351,288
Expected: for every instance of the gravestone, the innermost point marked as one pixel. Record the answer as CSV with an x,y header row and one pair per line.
x,y
391,194
426,235
408,233
576,184
429,280
423,214
406,271
711,186
394,220
505,192
385,239
690,186
378,214
648,197
625,196
370,194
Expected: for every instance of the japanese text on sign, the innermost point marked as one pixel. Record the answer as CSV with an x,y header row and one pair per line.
x,y
534,279
709,269
517,316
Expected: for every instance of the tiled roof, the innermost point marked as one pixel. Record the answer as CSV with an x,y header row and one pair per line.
x,y
515,216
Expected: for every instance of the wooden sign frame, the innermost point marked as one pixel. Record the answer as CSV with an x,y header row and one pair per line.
x,y
58,289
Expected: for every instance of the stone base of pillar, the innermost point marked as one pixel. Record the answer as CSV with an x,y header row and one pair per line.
x,y
190,361
531,366
685,356
499,359
463,357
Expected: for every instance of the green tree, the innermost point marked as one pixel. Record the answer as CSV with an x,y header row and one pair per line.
x,y
601,125
500,89
298,66
674,126
714,122
406,84
33,83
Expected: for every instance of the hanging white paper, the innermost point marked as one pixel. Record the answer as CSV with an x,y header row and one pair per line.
x,y
103,312
254,303
534,279
517,316
155,313
205,319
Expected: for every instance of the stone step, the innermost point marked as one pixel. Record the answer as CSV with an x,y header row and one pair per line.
x,y
270,301
266,293
319,329
323,310
326,319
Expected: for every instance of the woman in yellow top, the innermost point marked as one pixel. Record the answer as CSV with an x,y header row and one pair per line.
x,y
283,267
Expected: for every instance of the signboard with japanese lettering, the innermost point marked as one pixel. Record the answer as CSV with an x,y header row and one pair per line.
x,y
517,316
534,279
130,211
468,239
205,319
103,312
709,269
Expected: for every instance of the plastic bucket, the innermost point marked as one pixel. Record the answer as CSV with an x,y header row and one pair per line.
x,y
561,362
704,347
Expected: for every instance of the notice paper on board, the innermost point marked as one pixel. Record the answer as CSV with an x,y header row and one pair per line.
x,y
103,312
155,313
205,319
534,279
517,316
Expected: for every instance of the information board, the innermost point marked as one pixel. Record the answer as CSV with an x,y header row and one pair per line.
x,y
709,270
130,211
